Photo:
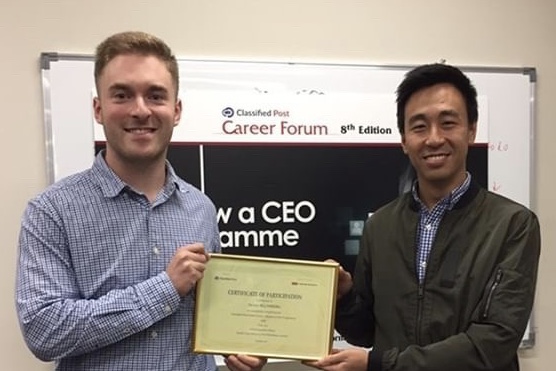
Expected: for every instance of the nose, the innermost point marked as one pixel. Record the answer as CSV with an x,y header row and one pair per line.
x,y
435,136
140,109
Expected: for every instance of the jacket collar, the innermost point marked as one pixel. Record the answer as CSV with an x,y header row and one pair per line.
x,y
465,199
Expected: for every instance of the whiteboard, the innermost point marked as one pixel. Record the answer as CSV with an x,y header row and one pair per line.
x,y
506,108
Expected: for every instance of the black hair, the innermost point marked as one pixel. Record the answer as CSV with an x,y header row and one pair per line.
x,y
431,74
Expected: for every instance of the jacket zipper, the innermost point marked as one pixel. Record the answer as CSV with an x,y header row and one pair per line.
x,y
420,296
493,287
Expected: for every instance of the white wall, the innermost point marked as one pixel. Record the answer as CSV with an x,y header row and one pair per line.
x,y
465,32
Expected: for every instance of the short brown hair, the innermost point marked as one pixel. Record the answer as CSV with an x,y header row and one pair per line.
x,y
135,42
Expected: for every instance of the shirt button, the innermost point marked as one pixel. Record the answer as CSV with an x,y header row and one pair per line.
x,y
428,227
154,335
156,250
167,309
423,264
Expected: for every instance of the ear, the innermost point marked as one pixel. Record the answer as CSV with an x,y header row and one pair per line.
x,y
177,112
403,144
472,133
97,110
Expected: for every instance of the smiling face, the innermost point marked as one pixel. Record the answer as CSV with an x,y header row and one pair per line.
x,y
138,109
436,137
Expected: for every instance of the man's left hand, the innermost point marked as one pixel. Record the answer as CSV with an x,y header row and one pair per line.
x,y
352,359
243,362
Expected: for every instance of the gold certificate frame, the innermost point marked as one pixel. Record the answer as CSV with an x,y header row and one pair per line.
x,y
275,308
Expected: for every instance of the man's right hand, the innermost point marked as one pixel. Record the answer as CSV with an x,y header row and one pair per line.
x,y
187,267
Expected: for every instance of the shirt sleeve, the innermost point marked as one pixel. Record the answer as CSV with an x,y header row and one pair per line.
x,y
56,321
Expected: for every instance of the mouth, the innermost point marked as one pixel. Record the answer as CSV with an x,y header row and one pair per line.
x,y
140,130
435,156
436,159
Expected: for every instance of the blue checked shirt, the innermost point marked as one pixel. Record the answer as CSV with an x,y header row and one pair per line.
x,y
92,292
429,220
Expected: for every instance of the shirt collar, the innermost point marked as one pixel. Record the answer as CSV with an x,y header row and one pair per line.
x,y
451,199
111,184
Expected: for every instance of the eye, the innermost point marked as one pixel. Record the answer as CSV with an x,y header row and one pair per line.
x,y
120,95
157,96
418,127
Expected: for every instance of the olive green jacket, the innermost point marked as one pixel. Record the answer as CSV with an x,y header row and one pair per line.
x,y
472,309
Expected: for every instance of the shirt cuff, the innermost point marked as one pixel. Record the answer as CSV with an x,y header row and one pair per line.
x,y
158,297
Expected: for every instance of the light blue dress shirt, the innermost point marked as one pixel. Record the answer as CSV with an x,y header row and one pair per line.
x,y
91,290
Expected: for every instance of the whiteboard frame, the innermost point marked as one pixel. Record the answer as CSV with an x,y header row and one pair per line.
x,y
51,131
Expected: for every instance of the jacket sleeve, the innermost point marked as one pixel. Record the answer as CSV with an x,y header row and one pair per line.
x,y
354,312
491,341
55,319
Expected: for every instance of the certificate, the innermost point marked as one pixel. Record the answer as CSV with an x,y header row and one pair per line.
x,y
275,308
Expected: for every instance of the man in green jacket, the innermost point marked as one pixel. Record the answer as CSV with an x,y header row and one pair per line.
x,y
446,273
